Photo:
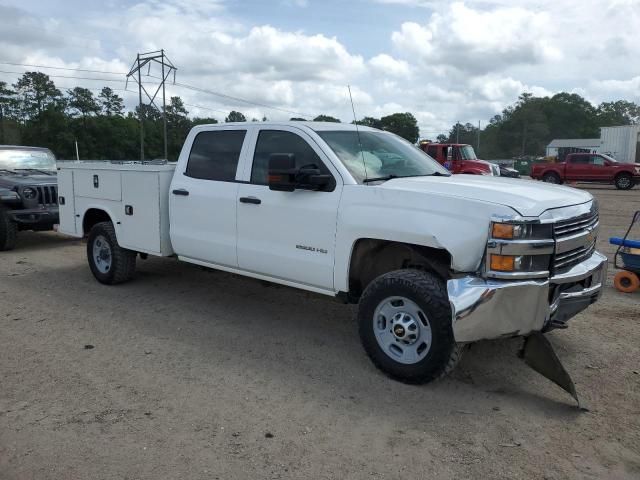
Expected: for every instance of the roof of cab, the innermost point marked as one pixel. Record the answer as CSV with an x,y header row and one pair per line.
x,y
316,126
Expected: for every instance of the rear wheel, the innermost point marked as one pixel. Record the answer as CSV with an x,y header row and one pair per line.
x,y
624,181
626,282
552,177
109,262
8,231
404,321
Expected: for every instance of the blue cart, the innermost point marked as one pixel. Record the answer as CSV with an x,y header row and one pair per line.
x,y
627,259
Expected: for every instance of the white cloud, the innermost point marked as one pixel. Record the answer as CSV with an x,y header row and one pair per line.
x,y
445,62
478,41
386,64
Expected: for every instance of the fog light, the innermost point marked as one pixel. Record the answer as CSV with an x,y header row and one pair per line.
x,y
503,263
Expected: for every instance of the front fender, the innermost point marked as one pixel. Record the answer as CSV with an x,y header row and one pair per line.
x,y
457,225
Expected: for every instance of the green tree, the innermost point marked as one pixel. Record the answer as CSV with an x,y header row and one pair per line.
x,y
178,126
204,121
6,104
402,124
297,119
36,93
370,122
621,112
110,103
326,118
81,102
235,117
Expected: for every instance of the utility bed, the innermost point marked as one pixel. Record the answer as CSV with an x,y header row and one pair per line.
x,y
135,194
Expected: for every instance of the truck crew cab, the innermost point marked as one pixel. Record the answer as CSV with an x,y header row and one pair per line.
x,y
588,167
28,192
433,260
459,158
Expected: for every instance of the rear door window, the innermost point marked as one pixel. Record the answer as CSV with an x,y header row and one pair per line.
x,y
215,155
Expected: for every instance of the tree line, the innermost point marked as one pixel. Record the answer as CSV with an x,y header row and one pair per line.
x,y
33,111
528,126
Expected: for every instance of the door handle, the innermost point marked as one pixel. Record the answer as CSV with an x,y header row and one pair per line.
x,y
181,191
254,200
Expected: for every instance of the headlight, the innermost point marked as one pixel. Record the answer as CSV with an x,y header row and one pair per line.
x,y
29,193
521,231
519,250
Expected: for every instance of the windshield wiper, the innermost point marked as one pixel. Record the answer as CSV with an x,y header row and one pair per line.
x,y
380,179
389,177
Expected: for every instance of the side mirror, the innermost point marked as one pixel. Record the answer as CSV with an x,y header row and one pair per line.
x,y
282,172
309,177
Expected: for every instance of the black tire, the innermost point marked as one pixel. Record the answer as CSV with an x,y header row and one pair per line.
x,y
123,261
624,181
427,291
552,177
8,231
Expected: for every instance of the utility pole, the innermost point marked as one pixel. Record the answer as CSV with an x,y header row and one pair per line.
x,y
147,59
478,146
458,131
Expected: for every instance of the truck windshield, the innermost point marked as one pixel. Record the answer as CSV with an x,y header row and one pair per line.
x,y
467,153
383,155
17,159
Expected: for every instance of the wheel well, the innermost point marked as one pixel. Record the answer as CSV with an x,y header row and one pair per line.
x,y
619,174
93,216
371,258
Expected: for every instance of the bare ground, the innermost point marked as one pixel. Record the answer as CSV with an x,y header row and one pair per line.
x,y
200,374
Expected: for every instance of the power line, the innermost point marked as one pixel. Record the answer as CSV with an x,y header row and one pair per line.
x,y
183,85
74,77
61,68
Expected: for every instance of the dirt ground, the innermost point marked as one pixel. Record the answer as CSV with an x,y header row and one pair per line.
x,y
200,374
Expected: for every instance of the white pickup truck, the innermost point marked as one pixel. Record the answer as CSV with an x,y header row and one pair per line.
x,y
434,261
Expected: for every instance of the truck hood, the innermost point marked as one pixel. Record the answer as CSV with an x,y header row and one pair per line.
x,y
528,198
10,180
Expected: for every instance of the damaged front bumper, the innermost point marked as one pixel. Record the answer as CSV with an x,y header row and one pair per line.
x,y
486,308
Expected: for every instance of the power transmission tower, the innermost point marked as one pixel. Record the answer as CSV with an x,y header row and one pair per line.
x,y
157,57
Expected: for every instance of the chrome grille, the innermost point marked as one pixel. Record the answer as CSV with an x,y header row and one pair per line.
x,y
582,229
47,195
575,225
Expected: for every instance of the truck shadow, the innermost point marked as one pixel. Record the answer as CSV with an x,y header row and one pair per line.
x,y
28,241
299,340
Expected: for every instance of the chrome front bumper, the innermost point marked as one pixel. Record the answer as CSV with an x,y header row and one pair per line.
x,y
485,308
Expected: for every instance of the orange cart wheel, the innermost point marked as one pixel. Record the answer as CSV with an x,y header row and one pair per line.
x,y
626,282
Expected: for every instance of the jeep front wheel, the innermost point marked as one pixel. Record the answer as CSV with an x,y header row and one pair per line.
x,y
8,231
624,181
109,262
405,327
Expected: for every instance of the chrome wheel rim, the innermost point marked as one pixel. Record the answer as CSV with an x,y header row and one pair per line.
x,y
402,330
551,179
102,254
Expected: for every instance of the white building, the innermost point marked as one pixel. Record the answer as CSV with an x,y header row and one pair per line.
x,y
589,145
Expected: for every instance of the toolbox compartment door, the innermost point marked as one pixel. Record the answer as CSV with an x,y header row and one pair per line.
x,y
99,184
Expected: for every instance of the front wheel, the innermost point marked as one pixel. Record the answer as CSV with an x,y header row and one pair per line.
x,y
552,177
624,181
109,262
8,231
405,326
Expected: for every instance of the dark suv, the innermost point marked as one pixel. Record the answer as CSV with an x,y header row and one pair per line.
x,y
28,192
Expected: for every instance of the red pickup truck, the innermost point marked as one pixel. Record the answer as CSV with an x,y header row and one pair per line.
x,y
459,158
588,167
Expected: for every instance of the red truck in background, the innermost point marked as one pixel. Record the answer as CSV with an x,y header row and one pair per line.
x,y
459,158
588,167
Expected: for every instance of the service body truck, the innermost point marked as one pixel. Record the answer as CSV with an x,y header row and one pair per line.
x,y
434,261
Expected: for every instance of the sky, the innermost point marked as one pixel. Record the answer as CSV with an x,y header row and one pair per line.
x,y
442,61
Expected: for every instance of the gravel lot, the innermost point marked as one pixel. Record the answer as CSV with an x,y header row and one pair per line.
x,y
200,374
